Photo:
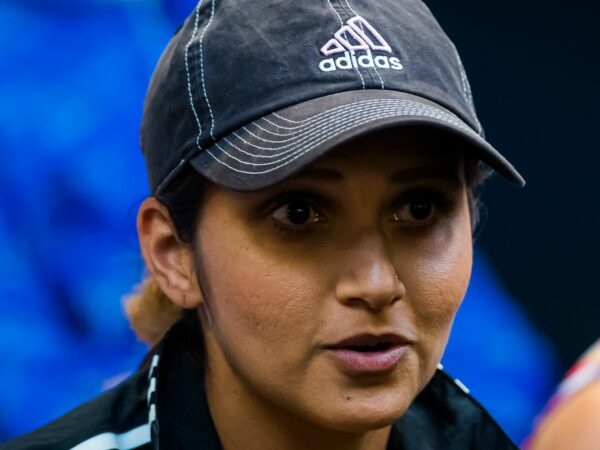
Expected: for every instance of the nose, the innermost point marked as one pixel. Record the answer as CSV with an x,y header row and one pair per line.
x,y
369,277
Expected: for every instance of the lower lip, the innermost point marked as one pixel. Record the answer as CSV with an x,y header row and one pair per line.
x,y
357,362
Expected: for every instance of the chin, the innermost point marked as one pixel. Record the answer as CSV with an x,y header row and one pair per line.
x,y
362,416
363,424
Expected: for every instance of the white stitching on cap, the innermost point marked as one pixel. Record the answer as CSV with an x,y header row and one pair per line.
x,y
301,128
272,132
374,66
363,31
358,112
466,87
326,127
323,129
409,110
312,145
307,120
212,118
463,77
309,142
324,113
314,131
298,154
187,71
404,109
465,81
310,130
310,118
341,25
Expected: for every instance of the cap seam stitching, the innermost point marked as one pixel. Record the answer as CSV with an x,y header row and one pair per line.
x,y
200,45
363,30
362,80
188,74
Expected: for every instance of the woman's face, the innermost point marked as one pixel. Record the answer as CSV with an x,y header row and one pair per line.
x,y
371,243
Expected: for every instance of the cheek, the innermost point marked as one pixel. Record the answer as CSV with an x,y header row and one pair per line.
x,y
440,286
436,285
263,304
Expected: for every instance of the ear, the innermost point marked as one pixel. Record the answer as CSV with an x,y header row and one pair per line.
x,y
169,260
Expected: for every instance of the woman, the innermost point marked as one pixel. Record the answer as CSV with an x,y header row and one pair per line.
x,y
314,171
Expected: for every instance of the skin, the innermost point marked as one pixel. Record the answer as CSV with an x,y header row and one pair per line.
x,y
271,293
572,425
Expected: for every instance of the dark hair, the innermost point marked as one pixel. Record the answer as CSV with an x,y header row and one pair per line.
x,y
184,200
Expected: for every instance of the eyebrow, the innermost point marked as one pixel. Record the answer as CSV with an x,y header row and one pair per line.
x,y
404,176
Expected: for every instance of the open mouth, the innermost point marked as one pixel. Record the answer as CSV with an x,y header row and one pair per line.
x,y
369,354
378,347
367,342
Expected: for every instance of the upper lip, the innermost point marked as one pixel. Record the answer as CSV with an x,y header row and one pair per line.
x,y
369,339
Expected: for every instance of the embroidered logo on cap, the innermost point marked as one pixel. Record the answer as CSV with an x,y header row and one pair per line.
x,y
357,35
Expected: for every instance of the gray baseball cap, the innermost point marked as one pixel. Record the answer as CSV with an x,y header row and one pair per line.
x,y
248,92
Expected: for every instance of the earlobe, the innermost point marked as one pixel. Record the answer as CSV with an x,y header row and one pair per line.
x,y
168,259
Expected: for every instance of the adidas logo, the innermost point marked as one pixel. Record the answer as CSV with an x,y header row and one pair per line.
x,y
358,35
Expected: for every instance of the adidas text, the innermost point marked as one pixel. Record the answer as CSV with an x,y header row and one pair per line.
x,y
366,60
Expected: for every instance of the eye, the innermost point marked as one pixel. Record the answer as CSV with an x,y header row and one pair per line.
x,y
421,207
297,213
419,210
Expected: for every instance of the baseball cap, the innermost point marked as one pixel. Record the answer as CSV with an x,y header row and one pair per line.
x,y
248,92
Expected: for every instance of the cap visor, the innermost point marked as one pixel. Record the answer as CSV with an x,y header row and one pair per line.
x,y
271,148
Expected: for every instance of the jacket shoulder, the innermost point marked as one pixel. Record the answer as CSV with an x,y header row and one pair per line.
x,y
117,419
445,415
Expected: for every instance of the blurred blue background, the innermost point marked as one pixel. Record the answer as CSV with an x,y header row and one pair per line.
x,y
73,74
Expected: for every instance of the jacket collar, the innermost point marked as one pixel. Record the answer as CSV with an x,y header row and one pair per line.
x,y
182,418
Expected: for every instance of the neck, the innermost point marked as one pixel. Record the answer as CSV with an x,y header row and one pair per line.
x,y
243,420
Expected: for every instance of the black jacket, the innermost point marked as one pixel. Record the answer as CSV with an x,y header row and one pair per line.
x,y
163,406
